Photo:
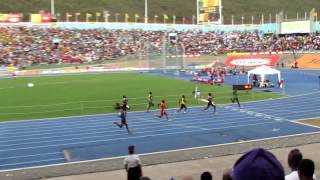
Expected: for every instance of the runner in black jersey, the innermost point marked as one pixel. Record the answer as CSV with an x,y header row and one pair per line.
x,y
125,100
123,116
210,103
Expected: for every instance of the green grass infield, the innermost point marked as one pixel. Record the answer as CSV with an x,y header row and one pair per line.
x,y
73,95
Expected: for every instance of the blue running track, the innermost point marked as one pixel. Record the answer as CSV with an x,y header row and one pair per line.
x,y
45,142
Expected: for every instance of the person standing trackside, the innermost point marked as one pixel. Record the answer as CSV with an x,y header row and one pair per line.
x,y
132,165
254,80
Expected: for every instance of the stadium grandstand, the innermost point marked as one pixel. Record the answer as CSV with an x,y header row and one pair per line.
x,y
74,73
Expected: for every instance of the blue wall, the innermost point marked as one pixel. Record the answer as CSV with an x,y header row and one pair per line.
x,y
265,28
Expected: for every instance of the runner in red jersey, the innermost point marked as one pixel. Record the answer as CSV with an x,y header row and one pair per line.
x,y
163,108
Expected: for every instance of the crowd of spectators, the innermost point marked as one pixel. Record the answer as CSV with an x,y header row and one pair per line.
x,y
257,164
34,45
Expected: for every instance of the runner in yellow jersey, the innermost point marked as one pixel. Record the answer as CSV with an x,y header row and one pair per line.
x,y
150,101
183,104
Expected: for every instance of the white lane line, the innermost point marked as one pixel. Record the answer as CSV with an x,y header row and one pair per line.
x,y
285,110
103,122
285,105
70,117
300,121
31,162
142,125
142,132
84,119
304,112
136,137
89,122
54,122
72,123
178,123
305,124
32,155
159,152
132,123
147,124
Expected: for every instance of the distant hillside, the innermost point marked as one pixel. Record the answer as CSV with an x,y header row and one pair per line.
x,y
180,8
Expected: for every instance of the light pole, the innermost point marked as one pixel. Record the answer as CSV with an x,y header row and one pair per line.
x,y
117,17
52,7
145,11
198,11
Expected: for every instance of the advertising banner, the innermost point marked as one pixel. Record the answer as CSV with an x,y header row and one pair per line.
x,y
309,61
36,18
28,72
208,11
295,27
41,18
252,61
10,18
3,17
14,18
46,18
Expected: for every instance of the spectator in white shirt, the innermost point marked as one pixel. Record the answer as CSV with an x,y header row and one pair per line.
x,y
132,165
294,158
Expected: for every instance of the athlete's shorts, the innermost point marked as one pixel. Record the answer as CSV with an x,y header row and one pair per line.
x,y
123,118
163,112
150,104
183,106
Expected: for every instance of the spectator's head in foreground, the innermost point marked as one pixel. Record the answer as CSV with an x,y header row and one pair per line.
x,y
131,149
257,164
206,176
306,169
294,158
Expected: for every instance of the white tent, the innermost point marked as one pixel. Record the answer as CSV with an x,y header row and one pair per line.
x,y
263,71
